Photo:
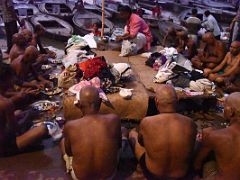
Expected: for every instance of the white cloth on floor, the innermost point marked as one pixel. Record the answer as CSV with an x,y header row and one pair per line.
x,y
132,46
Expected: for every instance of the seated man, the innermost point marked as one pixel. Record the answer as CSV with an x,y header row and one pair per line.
x,y
185,45
164,144
230,64
170,39
23,67
28,36
10,143
212,53
93,141
18,47
13,89
136,29
224,143
36,41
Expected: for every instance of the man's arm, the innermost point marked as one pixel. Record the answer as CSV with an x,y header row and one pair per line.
x,y
41,48
232,70
221,66
219,57
67,143
133,31
140,133
205,149
11,124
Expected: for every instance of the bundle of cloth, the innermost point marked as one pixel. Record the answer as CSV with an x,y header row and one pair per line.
x,y
173,64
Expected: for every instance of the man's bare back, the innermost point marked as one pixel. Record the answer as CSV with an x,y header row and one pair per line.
x,y
166,136
226,146
224,143
95,142
164,143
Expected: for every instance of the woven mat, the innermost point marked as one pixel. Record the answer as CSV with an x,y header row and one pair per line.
x,y
134,109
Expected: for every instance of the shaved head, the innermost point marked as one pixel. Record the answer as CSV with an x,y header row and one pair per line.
x,y
208,38
19,39
233,100
27,34
166,97
89,99
235,48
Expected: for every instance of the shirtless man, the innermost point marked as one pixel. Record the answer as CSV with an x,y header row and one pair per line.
x,y
230,64
93,141
28,35
9,143
212,53
36,41
224,143
170,39
164,144
185,45
18,47
23,67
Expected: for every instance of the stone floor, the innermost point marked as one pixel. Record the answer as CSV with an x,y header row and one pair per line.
x,y
46,163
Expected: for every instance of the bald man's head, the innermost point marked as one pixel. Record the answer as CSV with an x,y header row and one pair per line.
x,y
31,54
27,34
89,100
235,48
166,97
208,38
19,39
232,106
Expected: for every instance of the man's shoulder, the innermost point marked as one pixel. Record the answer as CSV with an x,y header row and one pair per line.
x,y
165,117
238,56
213,134
220,44
72,123
136,18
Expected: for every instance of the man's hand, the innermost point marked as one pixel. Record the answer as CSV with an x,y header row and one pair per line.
x,y
33,92
207,72
42,58
119,38
51,53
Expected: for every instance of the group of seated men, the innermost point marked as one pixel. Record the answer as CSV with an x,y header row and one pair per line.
x,y
21,82
218,61
211,57
165,145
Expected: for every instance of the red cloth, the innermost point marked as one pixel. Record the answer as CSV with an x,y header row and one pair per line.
x,y
137,25
92,67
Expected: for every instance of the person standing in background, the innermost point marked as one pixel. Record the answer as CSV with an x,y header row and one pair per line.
x,y
235,28
10,20
211,25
